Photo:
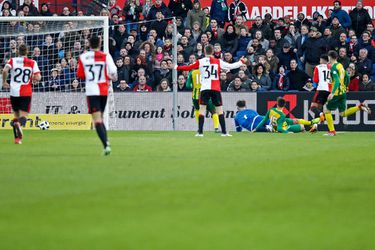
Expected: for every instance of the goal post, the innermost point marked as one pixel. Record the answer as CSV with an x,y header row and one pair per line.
x,y
55,43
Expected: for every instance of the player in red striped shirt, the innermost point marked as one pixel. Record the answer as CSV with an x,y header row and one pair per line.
x,y
210,69
22,72
98,69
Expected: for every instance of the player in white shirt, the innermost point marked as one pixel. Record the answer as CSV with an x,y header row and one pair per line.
x,y
322,78
22,72
97,69
210,69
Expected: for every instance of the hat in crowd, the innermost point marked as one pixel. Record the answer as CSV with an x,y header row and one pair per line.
x,y
196,1
314,29
54,69
286,45
309,80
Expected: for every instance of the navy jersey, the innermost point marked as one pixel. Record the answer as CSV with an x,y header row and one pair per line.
x,y
248,119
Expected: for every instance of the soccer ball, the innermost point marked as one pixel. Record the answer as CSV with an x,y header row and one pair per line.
x,y
44,125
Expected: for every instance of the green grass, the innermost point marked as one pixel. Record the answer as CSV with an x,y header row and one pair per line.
x,y
172,191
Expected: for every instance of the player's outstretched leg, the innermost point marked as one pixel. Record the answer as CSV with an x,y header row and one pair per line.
x,y
331,127
364,108
14,124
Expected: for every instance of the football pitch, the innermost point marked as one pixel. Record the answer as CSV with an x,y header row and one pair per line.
x,y
172,191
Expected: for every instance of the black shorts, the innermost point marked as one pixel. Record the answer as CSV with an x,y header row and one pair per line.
x,y
213,95
321,96
96,103
22,103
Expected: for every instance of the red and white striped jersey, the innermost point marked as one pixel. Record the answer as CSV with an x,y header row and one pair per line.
x,y
96,68
322,77
22,70
210,69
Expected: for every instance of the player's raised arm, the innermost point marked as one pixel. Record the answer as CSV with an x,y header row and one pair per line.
x,y
188,67
225,65
37,76
5,74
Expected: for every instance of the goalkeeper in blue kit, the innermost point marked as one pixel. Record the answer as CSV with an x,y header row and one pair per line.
x,y
249,119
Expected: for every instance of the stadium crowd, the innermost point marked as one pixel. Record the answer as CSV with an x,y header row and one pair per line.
x,y
281,53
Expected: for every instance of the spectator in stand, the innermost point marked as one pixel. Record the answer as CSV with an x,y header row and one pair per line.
x,y
123,86
309,86
240,24
163,72
120,36
273,61
354,79
341,43
7,7
224,81
370,28
243,41
42,63
280,41
259,25
236,86
198,51
352,45
260,75
238,8
342,15
292,35
181,83
146,8
254,87
120,70
163,86
230,40
366,44
366,84
32,11
246,80
216,31
336,28
196,14
359,18
132,12
217,51
180,25
281,81
219,12
363,64
70,73
302,20
286,56
54,82
142,86
297,77
66,11
49,50
343,58
158,6
281,25
313,48
159,25
114,8
320,23
180,7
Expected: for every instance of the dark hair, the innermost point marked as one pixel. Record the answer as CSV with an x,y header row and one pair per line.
x,y
94,42
208,50
337,2
241,103
324,57
281,102
332,54
22,50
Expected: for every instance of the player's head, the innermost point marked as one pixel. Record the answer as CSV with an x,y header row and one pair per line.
x,y
208,50
280,102
22,50
332,55
241,104
95,42
324,59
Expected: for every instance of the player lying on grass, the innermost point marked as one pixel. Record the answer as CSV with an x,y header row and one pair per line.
x,y
249,119
280,123
193,82
337,98
24,72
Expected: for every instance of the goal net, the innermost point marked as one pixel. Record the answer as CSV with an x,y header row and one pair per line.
x,y
55,44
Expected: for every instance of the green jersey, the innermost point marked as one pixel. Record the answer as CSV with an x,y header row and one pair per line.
x,y
194,82
339,79
277,119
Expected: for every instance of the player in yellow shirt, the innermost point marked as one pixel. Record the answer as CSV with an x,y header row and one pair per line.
x,y
193,82
337,98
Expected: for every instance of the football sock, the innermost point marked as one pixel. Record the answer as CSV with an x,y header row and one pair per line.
x,y
304,122
215,118
12,123
222,124
329,120
350,111
200,124
196,114
316,111
102,133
